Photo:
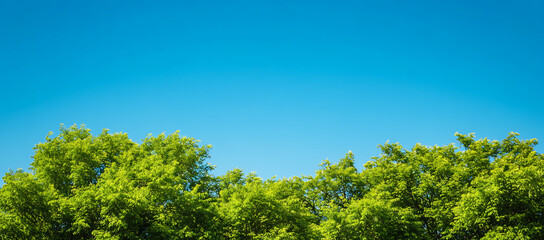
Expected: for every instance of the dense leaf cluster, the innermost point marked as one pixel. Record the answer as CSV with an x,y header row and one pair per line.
x,y
108,187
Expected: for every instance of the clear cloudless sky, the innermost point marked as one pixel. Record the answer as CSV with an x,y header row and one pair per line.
x,y
274,86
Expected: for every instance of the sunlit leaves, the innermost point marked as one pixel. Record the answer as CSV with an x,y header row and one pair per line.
x,y
108,187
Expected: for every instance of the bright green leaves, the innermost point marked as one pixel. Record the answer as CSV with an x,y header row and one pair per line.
x,y
149,190
28,208
108,187
370,218
76,159
183,155
490,190
508,200
335,184
253,209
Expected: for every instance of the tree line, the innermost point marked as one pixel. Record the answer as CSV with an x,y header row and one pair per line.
x,y
82,186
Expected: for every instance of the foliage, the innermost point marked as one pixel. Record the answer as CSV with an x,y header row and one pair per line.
x,y
82,186
256,209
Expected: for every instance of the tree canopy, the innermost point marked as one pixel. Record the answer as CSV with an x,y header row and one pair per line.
x,y
82,186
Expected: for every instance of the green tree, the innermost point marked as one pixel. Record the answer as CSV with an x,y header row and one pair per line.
x,y
108,187
82,186
28,208
506,200
254,209
490,189
334,184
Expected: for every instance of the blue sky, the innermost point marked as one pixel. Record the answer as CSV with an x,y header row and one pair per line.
x,y
274,86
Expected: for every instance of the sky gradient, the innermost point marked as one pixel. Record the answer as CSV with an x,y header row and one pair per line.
x,y
274,86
